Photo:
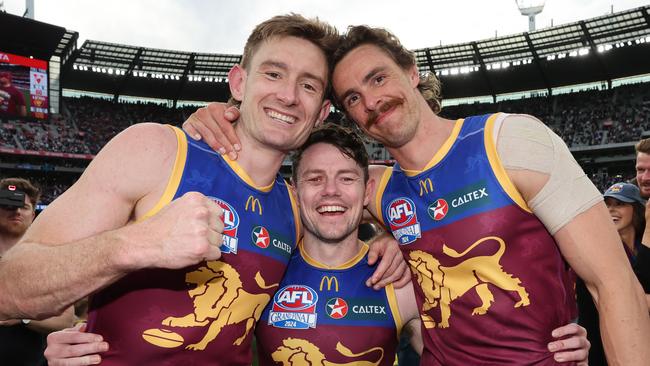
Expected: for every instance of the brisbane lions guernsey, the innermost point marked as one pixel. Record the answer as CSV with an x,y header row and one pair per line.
x,y
490,281
203,314
327,316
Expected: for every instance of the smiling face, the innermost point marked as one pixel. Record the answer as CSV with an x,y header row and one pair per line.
x,y
282,92
621,213
378,94
643,173
331,192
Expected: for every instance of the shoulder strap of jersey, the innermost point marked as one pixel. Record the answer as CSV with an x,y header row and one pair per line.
x,y
490,135
296,211
379,193
176,173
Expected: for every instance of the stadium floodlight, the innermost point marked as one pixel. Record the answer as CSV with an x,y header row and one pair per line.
x,y
530,8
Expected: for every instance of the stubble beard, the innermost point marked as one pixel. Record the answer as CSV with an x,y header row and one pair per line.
x,y
13,230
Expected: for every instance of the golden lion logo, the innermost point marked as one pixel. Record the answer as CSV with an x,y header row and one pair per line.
x,y
299,352
442,285
220,300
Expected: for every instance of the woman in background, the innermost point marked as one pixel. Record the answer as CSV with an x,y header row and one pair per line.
x,y
627,209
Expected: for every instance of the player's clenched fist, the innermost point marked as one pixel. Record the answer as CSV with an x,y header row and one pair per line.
x,y
185,232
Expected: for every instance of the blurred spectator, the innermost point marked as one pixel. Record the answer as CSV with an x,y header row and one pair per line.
x,y
22,341
627,210
12,100
642,264
592,117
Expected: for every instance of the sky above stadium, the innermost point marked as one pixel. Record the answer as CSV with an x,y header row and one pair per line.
x,y
222,26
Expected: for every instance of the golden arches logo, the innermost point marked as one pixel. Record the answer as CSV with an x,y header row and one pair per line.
x,y
254,204
329,280
426,186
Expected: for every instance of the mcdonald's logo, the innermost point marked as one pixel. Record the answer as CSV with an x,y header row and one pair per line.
x,y
254,204
426,186
329,280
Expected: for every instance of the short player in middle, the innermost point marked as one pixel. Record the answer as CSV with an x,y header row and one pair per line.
x,y
323,310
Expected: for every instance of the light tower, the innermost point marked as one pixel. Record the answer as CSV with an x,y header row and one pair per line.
x,y
29,9
530,8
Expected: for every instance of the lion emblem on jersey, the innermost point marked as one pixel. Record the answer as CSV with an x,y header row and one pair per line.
x,y
299,352
220,300
442,285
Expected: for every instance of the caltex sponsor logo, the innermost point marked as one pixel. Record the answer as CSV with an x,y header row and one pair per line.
x,y
336,308
438,210
260,237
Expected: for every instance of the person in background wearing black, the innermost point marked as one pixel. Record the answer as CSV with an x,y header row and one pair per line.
x,y
22,341
642,264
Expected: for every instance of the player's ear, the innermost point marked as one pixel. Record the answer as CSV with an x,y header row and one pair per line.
x,y
370,187
237,82
324,112
414,76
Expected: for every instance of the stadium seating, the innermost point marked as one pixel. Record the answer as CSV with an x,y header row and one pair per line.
x,y
593,117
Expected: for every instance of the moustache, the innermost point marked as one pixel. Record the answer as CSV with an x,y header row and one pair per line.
x,y
374,114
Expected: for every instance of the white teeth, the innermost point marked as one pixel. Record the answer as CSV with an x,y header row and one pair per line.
x,y
280,117
330,209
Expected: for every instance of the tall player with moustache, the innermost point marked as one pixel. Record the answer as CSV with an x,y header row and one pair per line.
x,y
375,76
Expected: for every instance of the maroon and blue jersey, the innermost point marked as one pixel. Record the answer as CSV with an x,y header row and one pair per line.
x,y
490,281
203,314
324,315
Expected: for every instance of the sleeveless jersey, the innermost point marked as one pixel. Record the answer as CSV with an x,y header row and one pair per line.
x,y
490,281
203,314
329,316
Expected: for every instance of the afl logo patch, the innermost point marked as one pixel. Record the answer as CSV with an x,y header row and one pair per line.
x,y
294,307
230,225
403,220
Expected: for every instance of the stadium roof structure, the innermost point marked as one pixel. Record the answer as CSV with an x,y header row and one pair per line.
x,y
28,37
599,49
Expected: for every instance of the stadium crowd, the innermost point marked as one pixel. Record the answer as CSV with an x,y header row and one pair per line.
x,y
584,118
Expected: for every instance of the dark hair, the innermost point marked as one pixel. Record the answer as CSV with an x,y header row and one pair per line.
x,y
342,138
638,220
32,191
359,35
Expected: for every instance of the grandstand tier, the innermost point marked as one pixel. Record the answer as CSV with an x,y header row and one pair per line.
x,y
600,124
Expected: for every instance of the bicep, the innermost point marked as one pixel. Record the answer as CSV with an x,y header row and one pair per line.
x,y
592,247
106,194
408,308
